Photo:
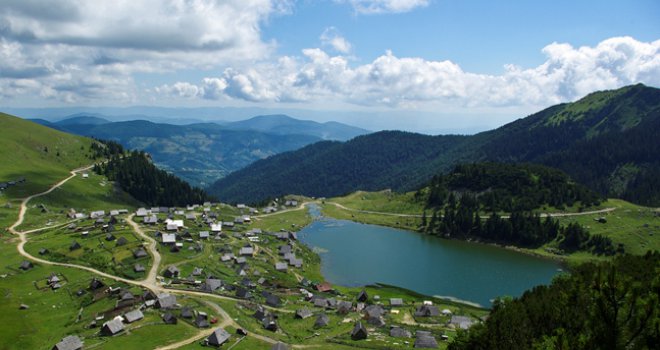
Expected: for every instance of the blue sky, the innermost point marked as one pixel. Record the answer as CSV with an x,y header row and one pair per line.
x,y
422,65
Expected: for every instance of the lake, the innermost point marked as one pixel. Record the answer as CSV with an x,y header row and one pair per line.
x,y
354,254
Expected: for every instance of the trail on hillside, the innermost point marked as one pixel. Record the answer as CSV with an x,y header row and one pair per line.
x,y
150,282
543,215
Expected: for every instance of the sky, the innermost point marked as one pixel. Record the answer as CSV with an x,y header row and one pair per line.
x,y
419,65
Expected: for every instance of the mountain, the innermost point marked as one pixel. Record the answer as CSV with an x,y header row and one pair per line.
x,y
39,154
607,141
82,119
285,125
197,153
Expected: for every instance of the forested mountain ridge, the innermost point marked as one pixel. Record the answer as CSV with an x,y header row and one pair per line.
x,y
370,162
615,130
505,187
136,175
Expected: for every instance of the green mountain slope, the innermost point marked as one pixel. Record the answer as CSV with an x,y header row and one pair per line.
x,y
39,154
325,169
621,122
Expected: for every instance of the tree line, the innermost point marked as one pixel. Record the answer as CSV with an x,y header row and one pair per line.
x,y
608,305
137,175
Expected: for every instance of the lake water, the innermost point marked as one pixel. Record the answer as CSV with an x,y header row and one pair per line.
x,y
354,254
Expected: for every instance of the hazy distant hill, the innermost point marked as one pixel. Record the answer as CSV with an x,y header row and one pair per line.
x,y
285,125
198,153
607,140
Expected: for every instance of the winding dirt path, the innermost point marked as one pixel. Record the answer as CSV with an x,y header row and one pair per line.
x,y
150,281
543,215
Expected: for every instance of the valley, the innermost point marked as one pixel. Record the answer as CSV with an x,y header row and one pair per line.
x,y
123,254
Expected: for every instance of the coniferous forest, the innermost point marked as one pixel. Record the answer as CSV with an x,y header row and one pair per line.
x,y
609,305
459,200
136,175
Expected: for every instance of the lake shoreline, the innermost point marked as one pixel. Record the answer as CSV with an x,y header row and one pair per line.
x,y
459,265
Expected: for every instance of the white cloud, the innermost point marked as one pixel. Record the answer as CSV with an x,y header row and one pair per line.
x,y
568,73
78,50
384,6
331,37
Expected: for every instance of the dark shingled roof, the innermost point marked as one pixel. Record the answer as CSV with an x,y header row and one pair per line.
x,y
398,332
427,311
359,332
218,337
169,318
363,296
424,339
322,320
269,323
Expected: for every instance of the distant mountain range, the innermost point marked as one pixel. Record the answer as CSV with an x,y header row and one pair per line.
x,y
608,141
204,152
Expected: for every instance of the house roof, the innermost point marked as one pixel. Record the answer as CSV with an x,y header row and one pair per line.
x,y
218,337
280,266
427,311
166,301
113,327
269,323
122,241
363,296
140,253
273,300
71,342
463,322
359,331
304,313
133,316
186,312
396,301
168,238
279,346
211,284
424,339
399,332
169,318
26,265
246,251
324,287
322,320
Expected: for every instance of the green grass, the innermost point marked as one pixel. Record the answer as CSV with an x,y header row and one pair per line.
x,y
382,201
24,143
95,251
406,223
292,220
94,193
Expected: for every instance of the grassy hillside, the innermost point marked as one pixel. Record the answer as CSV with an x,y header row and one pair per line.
x,y
40,154
607,140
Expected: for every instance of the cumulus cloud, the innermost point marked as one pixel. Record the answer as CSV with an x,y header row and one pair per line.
x,y
331,37
567,73
384,6
92,42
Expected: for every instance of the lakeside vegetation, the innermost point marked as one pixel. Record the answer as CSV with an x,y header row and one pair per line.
x,y
608,305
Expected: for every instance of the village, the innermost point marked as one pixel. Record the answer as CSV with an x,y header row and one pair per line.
x,y
249,261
